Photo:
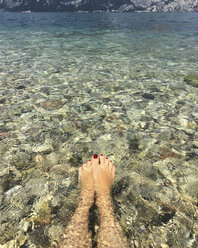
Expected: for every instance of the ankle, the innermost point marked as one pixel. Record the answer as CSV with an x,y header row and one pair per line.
x,y
105,207
104,192
103,199
86,199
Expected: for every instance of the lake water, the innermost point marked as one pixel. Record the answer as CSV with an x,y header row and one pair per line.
x,y
75,84
97,48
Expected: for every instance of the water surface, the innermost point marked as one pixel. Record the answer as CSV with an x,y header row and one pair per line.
x,y
74,84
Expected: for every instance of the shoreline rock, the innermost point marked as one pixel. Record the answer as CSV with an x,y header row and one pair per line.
x,y
100,6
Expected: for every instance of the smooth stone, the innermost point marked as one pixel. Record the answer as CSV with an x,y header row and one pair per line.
x,y
53,158
183,122
135,114
164,246
131,135
195,143
106,137
7,231
9,178
52,104
189,131
168,153
192,79
148,96
46,90
3,100
195,114
20,87
25,225
165,134
21,160
9,244
68,126
13,190
66,182
45,148
55,232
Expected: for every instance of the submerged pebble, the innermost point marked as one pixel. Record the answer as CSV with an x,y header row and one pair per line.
x,y
192,79
52,104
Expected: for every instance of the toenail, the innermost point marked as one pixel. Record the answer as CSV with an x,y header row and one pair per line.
x,y
95,155
89,160
101,154
106,158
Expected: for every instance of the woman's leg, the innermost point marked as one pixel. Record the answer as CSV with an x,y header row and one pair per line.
x,y
76,234
110,234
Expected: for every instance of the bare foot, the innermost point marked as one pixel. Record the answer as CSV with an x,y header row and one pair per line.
x,y
86,182
103,174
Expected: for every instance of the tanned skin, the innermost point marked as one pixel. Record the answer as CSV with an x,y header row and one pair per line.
x,y
96,177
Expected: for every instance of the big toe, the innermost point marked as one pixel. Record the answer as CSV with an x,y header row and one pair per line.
x,y
95,160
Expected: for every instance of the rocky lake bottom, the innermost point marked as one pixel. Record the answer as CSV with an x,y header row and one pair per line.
x,y
72,85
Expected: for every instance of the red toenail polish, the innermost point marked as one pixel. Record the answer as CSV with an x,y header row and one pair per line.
x,y
106,158
95,155
89,160
101,154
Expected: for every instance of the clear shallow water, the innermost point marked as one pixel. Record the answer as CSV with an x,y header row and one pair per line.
x,y
76,84
84,57
98,46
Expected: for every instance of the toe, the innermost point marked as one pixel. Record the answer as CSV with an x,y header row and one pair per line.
x,y
84,166
106,161
102,160
89,162
110,165
89,166
95,160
